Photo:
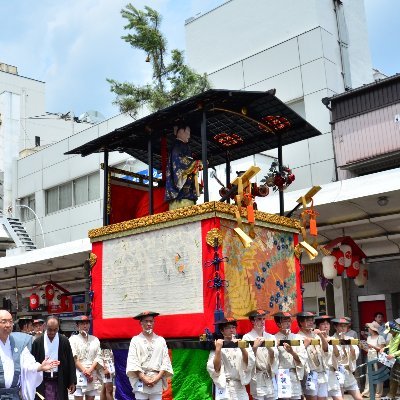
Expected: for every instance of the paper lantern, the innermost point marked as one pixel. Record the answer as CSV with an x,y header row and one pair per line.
x,y
339,264
33,301
362,278
328,267
66,303
347,254
354,268
57,298
42,297
49,292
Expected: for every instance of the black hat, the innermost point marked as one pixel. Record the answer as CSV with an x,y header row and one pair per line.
x,y
226,321
81,318
145,314
282,314
257,313
305,314
38,321
279,315
342,320
321,318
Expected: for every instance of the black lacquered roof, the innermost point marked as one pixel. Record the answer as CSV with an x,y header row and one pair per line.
x,y
227,111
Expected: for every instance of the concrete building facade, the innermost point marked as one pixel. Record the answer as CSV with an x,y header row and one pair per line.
x,y
306,50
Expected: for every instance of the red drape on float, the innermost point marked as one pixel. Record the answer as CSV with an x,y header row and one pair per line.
x,y
129,203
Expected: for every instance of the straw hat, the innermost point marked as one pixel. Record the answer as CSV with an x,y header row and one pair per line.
x,y
373,326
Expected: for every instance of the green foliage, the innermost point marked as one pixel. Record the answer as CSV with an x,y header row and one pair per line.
x,y
171,82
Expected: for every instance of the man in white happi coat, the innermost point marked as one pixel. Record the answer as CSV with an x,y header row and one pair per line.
x,y
335,373
87,355
315,384
230,368
292,359
19,371
262,384
348,357
148,365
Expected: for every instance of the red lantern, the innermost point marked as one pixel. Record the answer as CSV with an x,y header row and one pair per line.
x,y
49,292
33,301
66,303
354,269
339,264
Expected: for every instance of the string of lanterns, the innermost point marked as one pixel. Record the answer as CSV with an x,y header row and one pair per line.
x,y
347,260
51,297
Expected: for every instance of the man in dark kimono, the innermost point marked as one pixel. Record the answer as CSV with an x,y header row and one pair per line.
x,y
61,380
181,180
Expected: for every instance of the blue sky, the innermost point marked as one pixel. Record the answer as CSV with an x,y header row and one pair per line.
x,y
74,45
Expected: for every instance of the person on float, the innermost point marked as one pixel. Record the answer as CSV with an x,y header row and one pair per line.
x,y
292,359
262,384
316,383
19,372
393,351
348,358
87,356
182,168
60,381
148,365
335,372
375,343
230,368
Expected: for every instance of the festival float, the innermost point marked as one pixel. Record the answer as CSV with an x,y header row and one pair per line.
x,y
195,264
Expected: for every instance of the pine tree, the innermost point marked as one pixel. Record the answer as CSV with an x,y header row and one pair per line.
x,y
171,83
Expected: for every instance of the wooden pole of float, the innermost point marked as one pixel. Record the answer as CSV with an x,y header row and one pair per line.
x,y
150,173
280,160
106,217
204,155
228,171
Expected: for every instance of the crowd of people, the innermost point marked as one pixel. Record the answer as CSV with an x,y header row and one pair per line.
x,y
314,363
40,363
310,364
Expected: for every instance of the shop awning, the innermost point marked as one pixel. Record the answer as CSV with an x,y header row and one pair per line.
x,y
61,263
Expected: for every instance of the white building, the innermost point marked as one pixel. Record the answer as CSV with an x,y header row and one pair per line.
x,y
25,126
305,49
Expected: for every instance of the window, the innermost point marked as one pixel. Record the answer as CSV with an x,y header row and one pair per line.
x,y
94,186
26,213
80,190
65,195
73,193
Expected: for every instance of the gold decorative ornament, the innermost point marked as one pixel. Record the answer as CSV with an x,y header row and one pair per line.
x,y
213,209
213,234
92,260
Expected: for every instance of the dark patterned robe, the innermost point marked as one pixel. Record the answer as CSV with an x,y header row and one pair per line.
x,y
66,369
180,178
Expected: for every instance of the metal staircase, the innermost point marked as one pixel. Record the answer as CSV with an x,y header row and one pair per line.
x,y
18,233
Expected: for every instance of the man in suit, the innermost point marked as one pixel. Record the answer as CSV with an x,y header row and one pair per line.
x,y
62,379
